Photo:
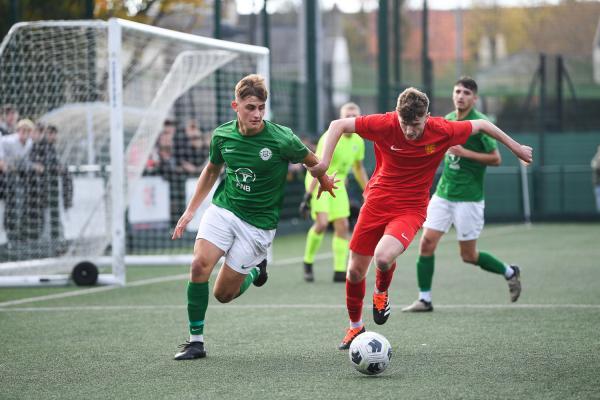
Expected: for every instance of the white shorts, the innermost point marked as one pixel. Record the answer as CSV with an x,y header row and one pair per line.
x,y
467,217
245,246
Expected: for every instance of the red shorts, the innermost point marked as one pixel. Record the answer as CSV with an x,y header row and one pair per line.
x,y
370,228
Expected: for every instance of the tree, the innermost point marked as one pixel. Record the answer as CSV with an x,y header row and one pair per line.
x,y
33,10
567,28
152,12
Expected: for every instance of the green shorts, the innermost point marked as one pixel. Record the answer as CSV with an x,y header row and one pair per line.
x,y
336,207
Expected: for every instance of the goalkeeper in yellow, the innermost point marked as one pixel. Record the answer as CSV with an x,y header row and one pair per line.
x,y
349,154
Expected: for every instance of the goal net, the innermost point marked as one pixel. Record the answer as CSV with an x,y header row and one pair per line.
x,y
123,114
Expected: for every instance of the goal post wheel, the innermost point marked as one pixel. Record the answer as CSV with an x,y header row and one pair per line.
x,y
85,274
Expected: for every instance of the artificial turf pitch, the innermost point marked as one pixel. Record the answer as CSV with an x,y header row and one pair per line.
x,y
279,341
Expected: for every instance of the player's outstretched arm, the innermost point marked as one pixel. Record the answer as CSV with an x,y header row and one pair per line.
x,y
326,183
525,153
206,181
336,129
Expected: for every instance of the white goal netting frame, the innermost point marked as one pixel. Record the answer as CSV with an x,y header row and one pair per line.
x,y
132,126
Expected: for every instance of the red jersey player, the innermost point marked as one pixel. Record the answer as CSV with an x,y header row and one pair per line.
x,y
409,145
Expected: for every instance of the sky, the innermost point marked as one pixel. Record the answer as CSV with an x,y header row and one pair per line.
x,y
245,6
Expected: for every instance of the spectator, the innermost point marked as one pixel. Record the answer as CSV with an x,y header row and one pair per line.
x,y
596,177
166,138
61,171
15,149
191,153
191,149
9,115
46,177
37,185
166,167
167,135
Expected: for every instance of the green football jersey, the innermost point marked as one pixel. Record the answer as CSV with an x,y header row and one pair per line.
x,y
462,178
255,171
348,150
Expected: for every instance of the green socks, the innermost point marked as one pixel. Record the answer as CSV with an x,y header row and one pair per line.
x,y
340,253
313,243
425,267
197,295
490,263
248,281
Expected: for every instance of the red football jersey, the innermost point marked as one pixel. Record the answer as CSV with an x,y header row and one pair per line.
x,y
405,169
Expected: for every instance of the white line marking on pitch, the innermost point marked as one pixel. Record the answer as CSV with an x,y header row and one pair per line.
x,y
492,232
288,306
142,282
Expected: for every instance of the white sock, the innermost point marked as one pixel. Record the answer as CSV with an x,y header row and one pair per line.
x,y
425,296
508,271
356,324
197,338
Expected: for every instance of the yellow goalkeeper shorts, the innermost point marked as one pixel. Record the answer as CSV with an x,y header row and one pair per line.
x,y
336,207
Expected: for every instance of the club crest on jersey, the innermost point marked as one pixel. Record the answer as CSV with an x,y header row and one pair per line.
x,y
265,154
430,148
243,178
453,161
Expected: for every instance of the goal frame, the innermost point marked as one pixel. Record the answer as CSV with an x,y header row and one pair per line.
x,y
118,259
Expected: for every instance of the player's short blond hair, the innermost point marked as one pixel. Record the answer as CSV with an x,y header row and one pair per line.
x,y
349,106
25,123
412,104
251,85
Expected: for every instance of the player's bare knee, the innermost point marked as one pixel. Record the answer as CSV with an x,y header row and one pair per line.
x,y
355,275
341,227
199,269
383,264
426,246
319,227
384,260
223,297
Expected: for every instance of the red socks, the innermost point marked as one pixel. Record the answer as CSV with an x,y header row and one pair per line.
x,y
355,293
384,279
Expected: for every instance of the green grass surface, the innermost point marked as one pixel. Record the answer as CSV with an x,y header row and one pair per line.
x,y
279,341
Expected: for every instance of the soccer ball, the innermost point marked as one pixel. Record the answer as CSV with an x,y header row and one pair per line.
x,y
370,353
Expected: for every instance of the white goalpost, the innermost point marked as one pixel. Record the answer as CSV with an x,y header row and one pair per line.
x,y
118,104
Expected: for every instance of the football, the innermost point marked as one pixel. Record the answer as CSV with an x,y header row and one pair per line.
x,y
370,353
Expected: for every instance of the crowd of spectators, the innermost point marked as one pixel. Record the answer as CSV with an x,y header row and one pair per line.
x,y
177,156
33,181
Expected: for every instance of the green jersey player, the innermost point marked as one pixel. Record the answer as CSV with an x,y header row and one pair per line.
x,y
459,201
348,155
241,221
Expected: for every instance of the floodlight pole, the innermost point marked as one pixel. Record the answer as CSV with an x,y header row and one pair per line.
x,y
459,41
542,108
219,102
397,44
266,26
382,41
425,60
267,41
13,13
313,64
